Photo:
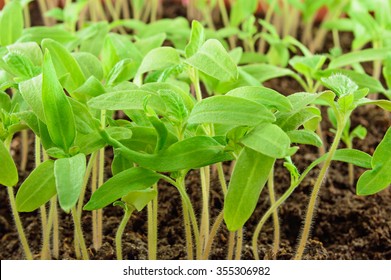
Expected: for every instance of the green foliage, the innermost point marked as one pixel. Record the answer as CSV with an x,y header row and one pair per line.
x,y
37,189
9,174
11,23
378,178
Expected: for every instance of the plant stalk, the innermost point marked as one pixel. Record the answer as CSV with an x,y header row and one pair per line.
x,y
314,195
276,223
79,233
118,237
152,227
212,235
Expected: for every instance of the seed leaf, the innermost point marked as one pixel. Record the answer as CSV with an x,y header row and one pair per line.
x,y
213,60
57,109
230,110
304,136
31,91
69,174
65,64
379,178
262,95
140,199
11,23
191,153
359,56
133,179
248,179
197,38
9,174
37,189
268,139
159,58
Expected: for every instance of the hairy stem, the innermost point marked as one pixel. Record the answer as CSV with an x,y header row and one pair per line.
x,y
231,245
152,227
239,244
314,195
79,233
276,223
120,231
212,235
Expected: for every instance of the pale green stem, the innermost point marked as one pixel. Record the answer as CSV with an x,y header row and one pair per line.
x,y
56,237
118,237
314,195
154,11
45,254
205,185
221,175
189,239
276,223
152,227
19,226
225,18
231,245
79,233
268,17
239,244
94,179
18,223
212,235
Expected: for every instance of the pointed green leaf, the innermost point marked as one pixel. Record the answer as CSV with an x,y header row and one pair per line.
x,y
9,174
31,91
133,179
306,137
230,110
262,95
379,178
359,56
191,153
11,23
268,139
248,179
214,60
58,112
159,58
37,189
197,38
69,174
65,64
140,199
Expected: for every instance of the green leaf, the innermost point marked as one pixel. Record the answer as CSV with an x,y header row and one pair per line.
x,y
31,91
38,33
191,153
249,176
9,174
262,95
120,163
197,38
37,189
140,199
230,110
340,84
384,104
89,65
11,23
379,178
359,56
242,9
264,72
304,136
69,174
124,70
126,100
92,37
293,120
268,139
29,49
133,179
159,58
65,64
58,112
213,60
21,66
307,65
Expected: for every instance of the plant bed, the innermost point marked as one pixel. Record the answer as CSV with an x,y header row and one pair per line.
x,y
188,164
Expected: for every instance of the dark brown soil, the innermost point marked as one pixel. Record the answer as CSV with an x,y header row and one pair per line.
x,y
346,226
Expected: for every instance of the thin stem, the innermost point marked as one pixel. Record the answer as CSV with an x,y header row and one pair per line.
x,y
221,175
276,223
94,179
25,150
212,235
231,245
45,254
118,237
56,237
18,223
205,185
189,239
101,174
268,17
152,227
314,196
154,10
79,233
225,18
239,244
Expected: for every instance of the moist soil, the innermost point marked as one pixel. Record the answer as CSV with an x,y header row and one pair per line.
x,y
346,226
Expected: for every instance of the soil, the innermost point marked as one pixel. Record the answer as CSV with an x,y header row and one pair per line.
x,y
346,226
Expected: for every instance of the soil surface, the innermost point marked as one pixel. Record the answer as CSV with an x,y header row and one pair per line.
x,y
346,226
